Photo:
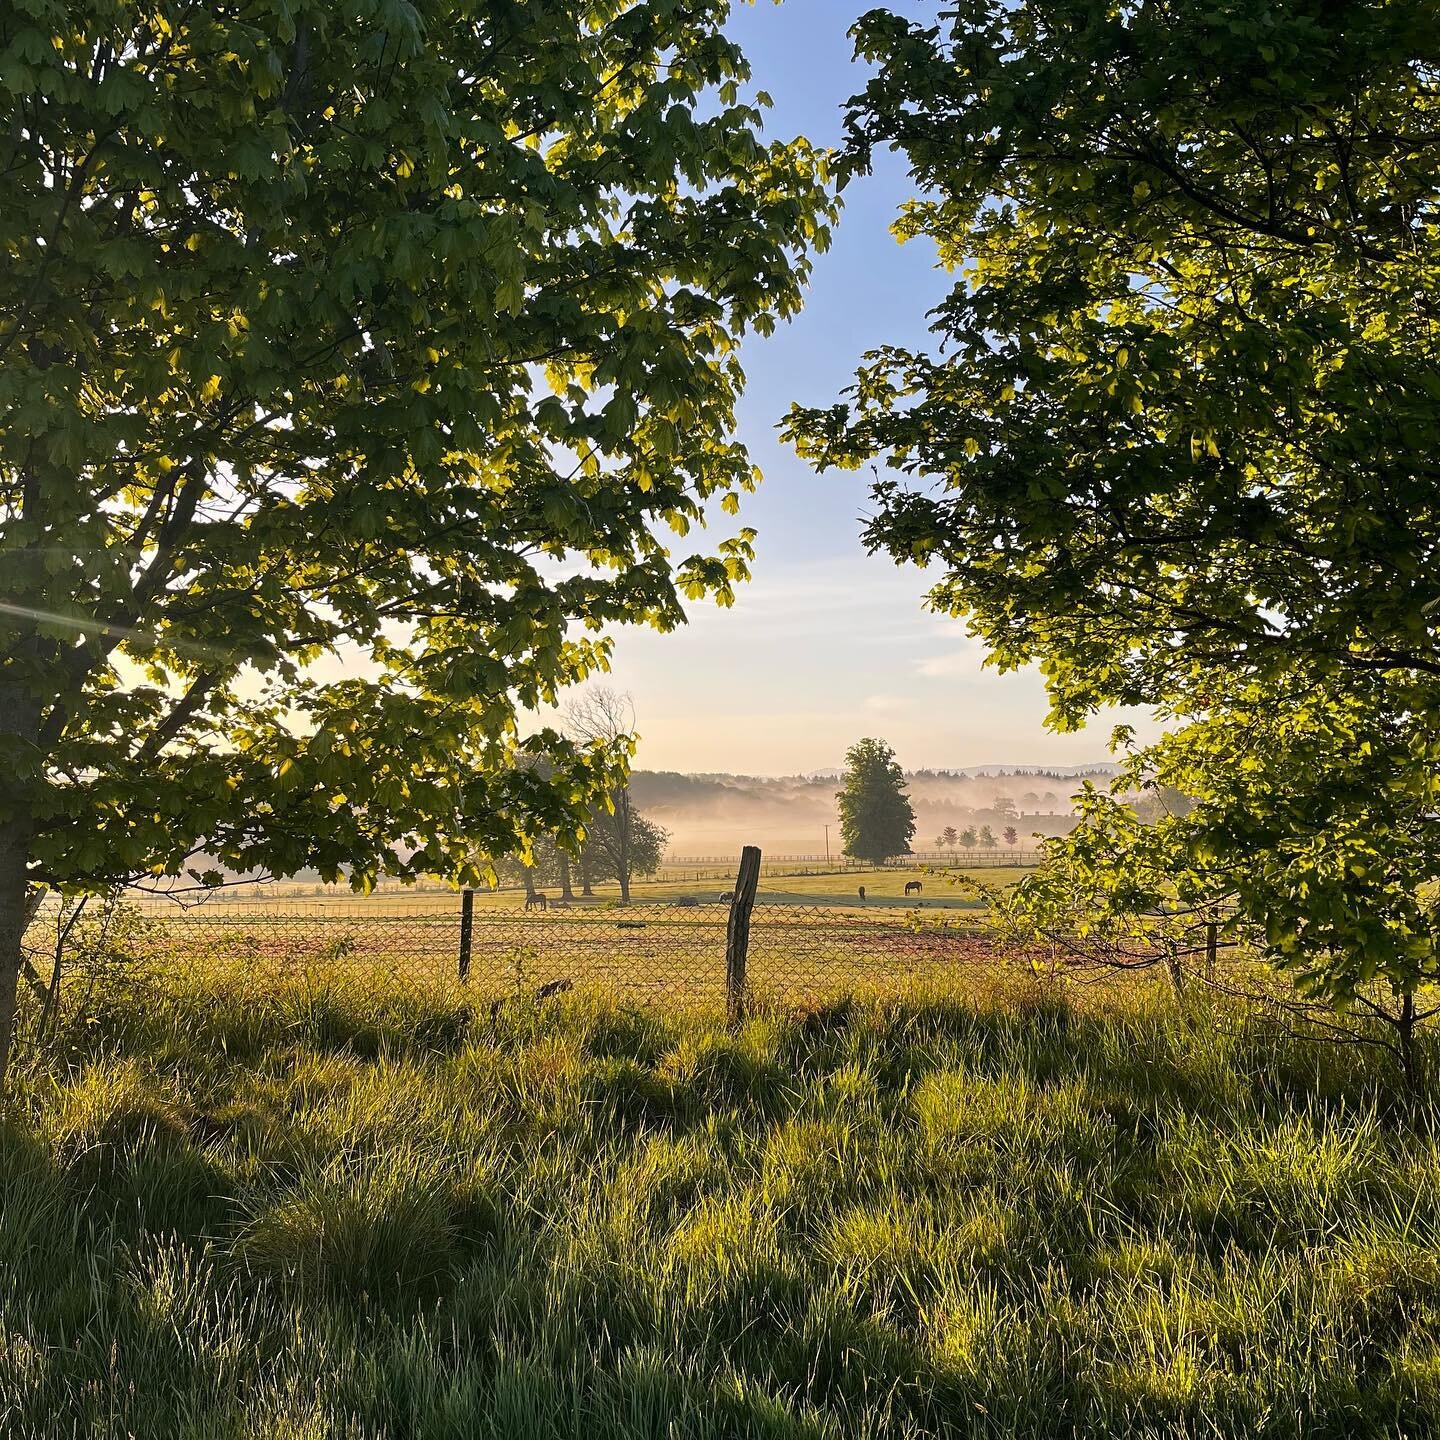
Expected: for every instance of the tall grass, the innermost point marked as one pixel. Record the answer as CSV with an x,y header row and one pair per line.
x,y
1015,1215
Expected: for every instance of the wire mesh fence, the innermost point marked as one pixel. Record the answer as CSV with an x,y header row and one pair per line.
x,y
660,952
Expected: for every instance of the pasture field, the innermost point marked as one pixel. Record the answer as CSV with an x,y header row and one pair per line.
x,y
882,887
660,950
673,956
1027,1212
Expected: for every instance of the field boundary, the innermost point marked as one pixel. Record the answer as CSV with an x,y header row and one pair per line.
x,y
663,952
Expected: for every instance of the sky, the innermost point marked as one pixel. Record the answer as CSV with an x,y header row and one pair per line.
x,y
828,644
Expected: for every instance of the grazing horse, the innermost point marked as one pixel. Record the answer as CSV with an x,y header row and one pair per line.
x,y
912,887
537,901
727,897
862,892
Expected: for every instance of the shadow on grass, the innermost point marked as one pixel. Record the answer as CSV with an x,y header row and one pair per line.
x,y
1015,1215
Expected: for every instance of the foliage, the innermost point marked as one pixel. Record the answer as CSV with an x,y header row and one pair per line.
x,y
876,817
643,844
1011,835
1179,448
597,857
1310,834
1018,1216
602,716
352,360
1195,247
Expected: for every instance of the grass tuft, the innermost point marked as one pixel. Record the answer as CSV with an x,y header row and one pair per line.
x,y
316,1214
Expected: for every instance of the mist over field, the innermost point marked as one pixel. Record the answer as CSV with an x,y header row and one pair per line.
x,y
715,814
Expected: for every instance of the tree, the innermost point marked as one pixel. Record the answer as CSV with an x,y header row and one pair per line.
x,y
950,836
1004,807
1012,835
603,717
550,863
968,837
609,855
1303,837
1196,249
1030,799
987,838
876,817
1152,441
393,333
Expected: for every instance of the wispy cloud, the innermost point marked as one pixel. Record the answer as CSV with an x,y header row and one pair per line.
x,y
951,663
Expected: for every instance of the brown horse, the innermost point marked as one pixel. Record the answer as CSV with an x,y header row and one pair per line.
x,y
862,892
912,887
537,901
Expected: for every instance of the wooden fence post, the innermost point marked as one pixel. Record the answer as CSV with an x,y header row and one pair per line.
x,y
1212,948
467,931
737,932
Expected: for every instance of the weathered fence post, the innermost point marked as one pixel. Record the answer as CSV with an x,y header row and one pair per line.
x,y
467,931
1212,947
737,932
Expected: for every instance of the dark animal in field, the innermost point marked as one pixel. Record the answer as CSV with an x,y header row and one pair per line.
x,y
537,902
862,892
554,987
912,887
687,900
727,897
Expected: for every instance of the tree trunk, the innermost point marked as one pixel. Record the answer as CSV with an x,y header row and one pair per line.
x,y
566,893
14,915
19,721
585,891
527,877
1405,1034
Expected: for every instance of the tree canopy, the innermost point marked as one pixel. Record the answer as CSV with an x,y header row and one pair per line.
x,y
876,817
1197,247
353,362
597,859
1179,446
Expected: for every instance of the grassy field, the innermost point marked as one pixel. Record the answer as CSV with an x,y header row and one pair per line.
x,y
1020,1215
645,951
882,887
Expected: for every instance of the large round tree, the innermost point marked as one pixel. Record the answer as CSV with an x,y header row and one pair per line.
x,y
352,358
876,817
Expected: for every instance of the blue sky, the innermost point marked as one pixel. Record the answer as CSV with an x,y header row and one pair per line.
x,y
828,644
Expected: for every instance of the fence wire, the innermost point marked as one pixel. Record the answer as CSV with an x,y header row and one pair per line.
x,y
659,952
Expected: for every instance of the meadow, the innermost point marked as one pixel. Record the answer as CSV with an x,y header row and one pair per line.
x,y
779,884
1033,1210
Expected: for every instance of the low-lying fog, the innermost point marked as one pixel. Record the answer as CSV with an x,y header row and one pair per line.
x,y
714,815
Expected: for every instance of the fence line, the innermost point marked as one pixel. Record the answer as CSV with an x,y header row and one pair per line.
x,y
661,952
987,855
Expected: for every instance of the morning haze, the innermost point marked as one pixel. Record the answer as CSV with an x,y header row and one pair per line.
x,y
828,643
418,1021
